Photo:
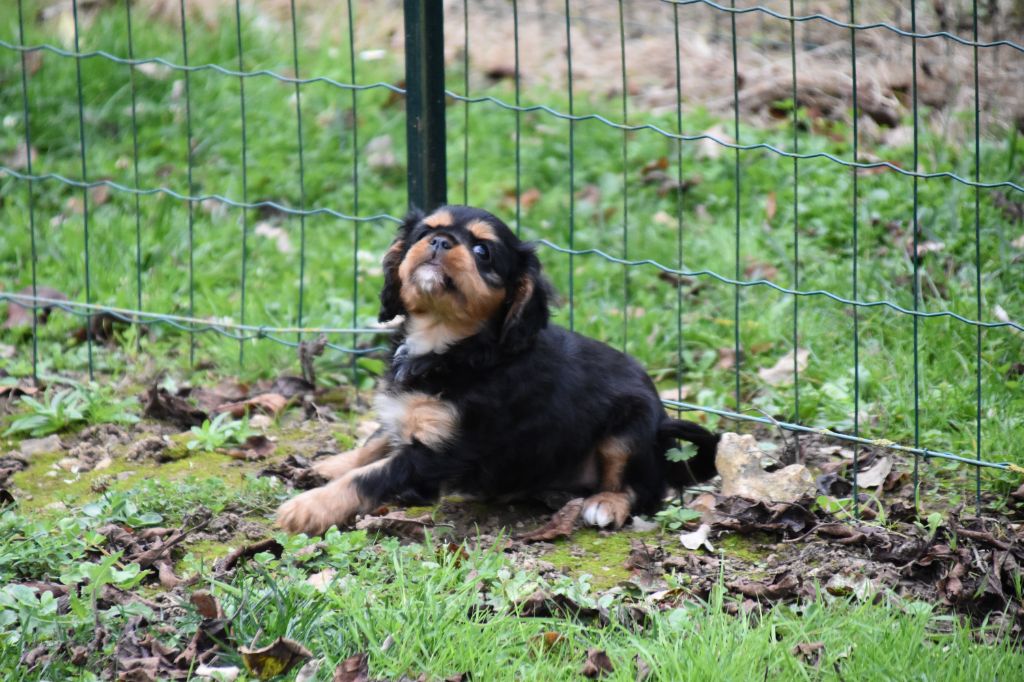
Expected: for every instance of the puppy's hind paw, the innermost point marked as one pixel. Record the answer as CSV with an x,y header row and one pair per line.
x,y
606,509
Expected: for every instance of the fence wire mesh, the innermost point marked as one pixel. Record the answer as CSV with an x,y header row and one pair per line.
x,y
799,217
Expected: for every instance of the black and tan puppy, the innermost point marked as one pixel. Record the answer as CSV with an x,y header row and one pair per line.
x,y
483,397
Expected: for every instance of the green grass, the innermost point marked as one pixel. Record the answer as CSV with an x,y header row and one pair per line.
x,y
445,614
60,409
649,328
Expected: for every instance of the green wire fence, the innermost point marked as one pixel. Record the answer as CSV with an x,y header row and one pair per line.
x,y
335,204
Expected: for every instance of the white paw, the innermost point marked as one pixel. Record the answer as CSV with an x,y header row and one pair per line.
x,y
606,509
597,514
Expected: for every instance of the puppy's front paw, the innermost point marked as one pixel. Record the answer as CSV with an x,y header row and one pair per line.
x,y
606,509
314,511
337,466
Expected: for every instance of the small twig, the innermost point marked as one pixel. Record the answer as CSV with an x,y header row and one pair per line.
x,y
782,431
307,351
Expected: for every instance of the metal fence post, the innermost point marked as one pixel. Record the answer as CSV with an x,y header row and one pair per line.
x,y
424,102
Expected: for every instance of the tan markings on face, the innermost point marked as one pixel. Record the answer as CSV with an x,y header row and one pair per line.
x,y
417,416
376,447
439,314
440,218
334,504
524,290
607,509
613,454
417,255
482,230
481,300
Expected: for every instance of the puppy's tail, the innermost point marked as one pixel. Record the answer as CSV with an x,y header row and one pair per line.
x,y
698,468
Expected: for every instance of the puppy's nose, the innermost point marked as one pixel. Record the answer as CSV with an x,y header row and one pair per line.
x,y
441,243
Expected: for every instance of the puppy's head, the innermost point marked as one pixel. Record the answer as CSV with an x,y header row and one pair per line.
x,y
460,270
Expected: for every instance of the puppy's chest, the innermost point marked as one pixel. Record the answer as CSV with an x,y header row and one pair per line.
x,y
409,416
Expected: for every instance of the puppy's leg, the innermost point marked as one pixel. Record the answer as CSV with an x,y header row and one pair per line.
x,y
359,491
376,447
611,506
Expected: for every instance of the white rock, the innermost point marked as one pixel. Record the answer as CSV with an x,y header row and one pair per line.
x,y
39,446
739,463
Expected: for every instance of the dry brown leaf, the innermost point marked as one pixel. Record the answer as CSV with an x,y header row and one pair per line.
x,y
529,198
168,580
209,399
275,659
703,503
782,586
597,664
876,475
546,641
18,159
589,194
398,525
23,387
726,358
290,386
268,403
661,163
561,524
254,448
782,371
353,669
161,405
923,247
33,61
247,552
99,195
757,270
380,153
770,206
206,604
810,652
18,315
643,671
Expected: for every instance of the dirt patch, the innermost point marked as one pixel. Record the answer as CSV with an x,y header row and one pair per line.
x,y
824,83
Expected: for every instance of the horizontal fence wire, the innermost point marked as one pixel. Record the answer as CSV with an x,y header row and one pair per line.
x,y
849,25
725,144
232,330
242,332
545,242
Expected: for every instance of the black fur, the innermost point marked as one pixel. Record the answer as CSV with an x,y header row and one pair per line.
x,y
533,399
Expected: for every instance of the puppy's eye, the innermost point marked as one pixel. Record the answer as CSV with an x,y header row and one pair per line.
x,y
482,251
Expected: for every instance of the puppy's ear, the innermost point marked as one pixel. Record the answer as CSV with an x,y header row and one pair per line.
x,y
527,303
390,296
